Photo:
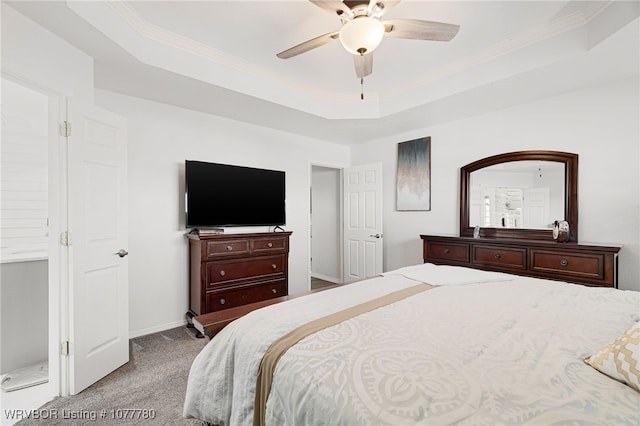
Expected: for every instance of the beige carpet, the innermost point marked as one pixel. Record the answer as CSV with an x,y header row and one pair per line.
x,y
155,378
318,283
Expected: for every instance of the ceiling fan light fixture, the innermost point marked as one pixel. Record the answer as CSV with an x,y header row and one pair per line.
x,y
362,35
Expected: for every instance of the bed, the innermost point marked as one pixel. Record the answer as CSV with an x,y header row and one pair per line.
x,y
424,344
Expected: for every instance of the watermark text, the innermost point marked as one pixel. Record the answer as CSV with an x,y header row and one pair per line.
x,y
88,415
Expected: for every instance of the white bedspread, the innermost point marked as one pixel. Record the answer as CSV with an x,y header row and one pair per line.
x,y
496,352
222,380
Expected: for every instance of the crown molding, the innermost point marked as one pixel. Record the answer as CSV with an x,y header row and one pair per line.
x,y
169,38
534,35
593,8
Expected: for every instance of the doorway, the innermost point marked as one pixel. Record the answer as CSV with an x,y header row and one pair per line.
x,y
362,228
325,229
28,369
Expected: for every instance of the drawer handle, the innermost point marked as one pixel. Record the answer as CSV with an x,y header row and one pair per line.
x,y
270,245
222,301
222,273
447,250
229,248
498,256
564,262
273,265
274,291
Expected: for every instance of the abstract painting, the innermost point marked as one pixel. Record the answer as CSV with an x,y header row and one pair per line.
x,y
414,175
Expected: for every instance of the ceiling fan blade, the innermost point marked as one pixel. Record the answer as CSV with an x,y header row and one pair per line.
x,y
308,45
335,7
364,64
420,30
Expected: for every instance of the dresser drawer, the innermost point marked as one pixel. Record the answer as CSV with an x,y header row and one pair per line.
x,y
217,249
584,264
241,295
506,257
233,270
587,264
269,245
448,252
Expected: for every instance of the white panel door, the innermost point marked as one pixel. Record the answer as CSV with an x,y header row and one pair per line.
x,y
536,208
362,221
99,299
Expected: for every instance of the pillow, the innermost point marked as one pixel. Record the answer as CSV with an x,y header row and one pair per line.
x,y
448,275
620,359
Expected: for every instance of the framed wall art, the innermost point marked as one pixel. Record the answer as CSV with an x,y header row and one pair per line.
x,y
413,178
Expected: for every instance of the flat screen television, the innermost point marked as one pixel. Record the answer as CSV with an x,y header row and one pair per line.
x,y
220,195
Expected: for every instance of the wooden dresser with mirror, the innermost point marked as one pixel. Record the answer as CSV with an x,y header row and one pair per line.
x,y
511,201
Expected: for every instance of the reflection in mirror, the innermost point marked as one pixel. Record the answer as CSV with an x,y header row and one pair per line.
x,y
517,194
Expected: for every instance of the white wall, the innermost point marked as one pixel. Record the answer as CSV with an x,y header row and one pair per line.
x,y
599,123
161,138
326,224
39,56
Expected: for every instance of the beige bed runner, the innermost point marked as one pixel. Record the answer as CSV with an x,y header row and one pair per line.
x,y
280,346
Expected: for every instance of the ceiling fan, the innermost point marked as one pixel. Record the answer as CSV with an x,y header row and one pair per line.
x,y
362,30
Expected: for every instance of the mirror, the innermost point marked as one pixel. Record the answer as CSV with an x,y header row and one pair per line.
x,y
519,195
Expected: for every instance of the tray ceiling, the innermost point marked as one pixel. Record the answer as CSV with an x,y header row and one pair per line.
x,y
220,57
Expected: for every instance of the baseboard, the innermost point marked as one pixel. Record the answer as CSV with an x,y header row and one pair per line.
x,y
156,329
326,278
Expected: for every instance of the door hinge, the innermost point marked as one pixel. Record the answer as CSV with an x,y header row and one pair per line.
x,y
64,348
65,129
65,238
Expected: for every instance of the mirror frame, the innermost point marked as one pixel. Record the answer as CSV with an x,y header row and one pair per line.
x,y
570,190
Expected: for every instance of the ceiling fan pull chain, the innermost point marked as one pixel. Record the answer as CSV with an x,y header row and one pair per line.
x,y
361,88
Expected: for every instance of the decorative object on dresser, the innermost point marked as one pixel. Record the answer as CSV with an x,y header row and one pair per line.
x,y
521,241
231,270
561,231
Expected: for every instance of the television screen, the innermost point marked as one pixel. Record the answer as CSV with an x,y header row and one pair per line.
x,y
219,195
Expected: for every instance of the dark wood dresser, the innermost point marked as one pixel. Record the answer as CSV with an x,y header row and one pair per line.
x,y
593,265
230,270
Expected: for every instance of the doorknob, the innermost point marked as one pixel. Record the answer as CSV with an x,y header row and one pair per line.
x,y
376,235
122,253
